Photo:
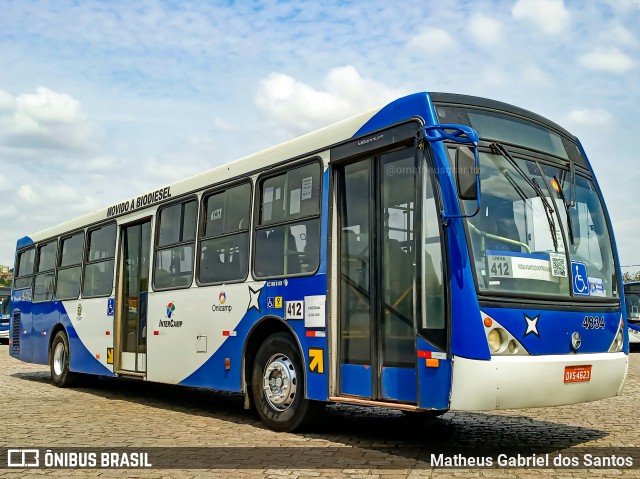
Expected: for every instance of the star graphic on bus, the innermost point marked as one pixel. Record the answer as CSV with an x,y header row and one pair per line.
x,y
254,299
532,325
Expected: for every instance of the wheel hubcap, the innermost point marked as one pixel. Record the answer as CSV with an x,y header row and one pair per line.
x,y
279,382
59,358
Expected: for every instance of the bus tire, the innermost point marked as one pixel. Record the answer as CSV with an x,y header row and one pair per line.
x,y
59,361
278,385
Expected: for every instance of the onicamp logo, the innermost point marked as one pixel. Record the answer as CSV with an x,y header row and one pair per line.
x,y
170,322
222,298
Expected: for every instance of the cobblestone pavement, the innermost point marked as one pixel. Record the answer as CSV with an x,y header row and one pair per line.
x,y
117,413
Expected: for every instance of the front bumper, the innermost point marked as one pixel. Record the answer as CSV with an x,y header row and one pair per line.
x,y
533,381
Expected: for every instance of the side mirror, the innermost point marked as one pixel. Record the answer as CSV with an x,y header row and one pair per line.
x,y
467,175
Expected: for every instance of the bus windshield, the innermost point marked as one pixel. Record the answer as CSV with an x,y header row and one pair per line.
x,y
526,236
4,307
632,300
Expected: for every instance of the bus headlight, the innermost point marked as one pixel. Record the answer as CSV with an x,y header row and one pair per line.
x,y
618,341
497,338
500,340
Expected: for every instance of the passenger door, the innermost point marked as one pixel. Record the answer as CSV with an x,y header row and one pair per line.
x,y
133,287
376,198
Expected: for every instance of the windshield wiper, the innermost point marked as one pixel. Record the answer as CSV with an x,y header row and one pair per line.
x,y
566,209
533,183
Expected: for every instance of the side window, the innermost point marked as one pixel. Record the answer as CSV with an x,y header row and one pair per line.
x,y
70,267
175,245
26,260
287,237
99,261
224,243
45,274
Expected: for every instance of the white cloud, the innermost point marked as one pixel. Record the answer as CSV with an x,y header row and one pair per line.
x,y
550,16
301,108
45,120
485,30
7,103
47,106
432,41
536,76
26,193
609,59
590,117
620,34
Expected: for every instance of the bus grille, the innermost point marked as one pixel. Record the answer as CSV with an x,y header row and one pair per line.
x,y
15,333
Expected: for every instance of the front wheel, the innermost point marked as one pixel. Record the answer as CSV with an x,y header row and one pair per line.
x,y
278,385
59,361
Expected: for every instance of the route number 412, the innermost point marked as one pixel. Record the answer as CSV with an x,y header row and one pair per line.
x,y
294,310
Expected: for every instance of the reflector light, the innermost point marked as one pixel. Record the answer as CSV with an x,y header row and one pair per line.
x,y
488,322
432,363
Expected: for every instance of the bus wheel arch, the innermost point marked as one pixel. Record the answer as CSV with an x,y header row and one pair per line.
x,y
260,331
273,349
59,358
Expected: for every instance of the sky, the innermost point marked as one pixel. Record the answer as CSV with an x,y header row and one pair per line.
x,y
101,101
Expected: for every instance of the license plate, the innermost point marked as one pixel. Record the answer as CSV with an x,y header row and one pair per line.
x,y
577,374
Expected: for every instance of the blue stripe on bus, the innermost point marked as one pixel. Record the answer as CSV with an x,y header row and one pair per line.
x,y
356,380
435,383
556,327
399,384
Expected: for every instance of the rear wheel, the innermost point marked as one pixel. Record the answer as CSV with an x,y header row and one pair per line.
x,y
278,385
59,361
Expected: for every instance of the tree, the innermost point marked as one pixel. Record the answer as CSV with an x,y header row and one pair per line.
x,y
628,277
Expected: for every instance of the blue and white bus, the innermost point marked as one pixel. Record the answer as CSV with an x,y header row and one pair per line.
x,y
441,252
5,299
632,301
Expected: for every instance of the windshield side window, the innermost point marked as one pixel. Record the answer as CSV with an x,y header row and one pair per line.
x,y
632,301
433,288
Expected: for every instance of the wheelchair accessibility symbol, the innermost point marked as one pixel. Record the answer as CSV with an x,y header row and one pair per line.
x,y
580,279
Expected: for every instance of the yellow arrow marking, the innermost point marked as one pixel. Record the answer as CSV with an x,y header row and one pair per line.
x,y
109,355
316,362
